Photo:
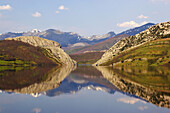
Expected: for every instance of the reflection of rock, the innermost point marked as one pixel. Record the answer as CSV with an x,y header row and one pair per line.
x,y
120,80
53,78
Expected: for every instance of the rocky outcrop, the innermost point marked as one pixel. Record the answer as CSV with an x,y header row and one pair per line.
x,y
133,88
53,48
158,31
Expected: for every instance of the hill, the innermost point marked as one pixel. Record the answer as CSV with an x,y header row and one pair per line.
x,y
51,49
87,58
19,54
151,54
155,32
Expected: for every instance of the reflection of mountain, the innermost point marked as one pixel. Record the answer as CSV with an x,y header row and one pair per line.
x,y
144,83
83,77
33,80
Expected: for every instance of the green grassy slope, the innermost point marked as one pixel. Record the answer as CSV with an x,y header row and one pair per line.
x,y
15,53
151,54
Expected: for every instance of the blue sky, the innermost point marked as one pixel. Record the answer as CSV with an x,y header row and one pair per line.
x,y
86,17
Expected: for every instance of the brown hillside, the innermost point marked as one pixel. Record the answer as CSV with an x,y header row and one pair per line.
x,y
22,52
87,58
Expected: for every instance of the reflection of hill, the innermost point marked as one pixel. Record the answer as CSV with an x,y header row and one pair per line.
x,y
33,80
141,82
83,77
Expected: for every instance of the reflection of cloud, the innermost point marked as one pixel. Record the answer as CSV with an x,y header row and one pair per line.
x,y
130,100
36,110
142,108
57,12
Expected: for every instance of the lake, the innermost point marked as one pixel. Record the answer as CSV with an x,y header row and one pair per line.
x,y
85,89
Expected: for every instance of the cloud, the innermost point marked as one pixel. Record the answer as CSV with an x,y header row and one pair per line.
x,y
5,7
130,100
62,7
36,14
57,12
36,110
142,16
142,108
131,24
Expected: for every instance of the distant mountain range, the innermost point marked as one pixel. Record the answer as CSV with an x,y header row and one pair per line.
x,y
69,38
137,30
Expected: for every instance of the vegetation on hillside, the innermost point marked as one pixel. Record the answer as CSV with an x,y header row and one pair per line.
x,y
16,53
151,54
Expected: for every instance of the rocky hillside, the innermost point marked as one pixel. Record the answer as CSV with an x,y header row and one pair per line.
x,y
53,48
155,32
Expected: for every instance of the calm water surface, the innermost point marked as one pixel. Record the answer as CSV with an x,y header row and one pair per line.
x,y
84,90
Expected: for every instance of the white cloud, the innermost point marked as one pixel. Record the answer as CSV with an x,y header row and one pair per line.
x,y
131,24
130,100
36,14
142,108
5,7
62,7
57,12
142,16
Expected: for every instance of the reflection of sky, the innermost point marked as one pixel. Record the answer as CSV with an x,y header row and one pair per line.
x,y
84,101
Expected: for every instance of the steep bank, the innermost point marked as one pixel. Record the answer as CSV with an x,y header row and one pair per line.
x,y
54,51
155,32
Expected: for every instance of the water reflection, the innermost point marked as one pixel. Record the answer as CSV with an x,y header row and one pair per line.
x,y
32,80
151,84
84,77
124,84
